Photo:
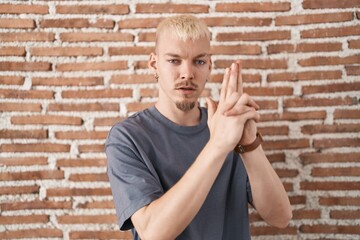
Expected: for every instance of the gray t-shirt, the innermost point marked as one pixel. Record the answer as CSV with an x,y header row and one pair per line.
x,y
147,154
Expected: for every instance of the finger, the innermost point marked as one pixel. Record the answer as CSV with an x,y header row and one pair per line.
x,y
245,99
211,107
224,85
252,114
232,86
230,102
240,80
238,110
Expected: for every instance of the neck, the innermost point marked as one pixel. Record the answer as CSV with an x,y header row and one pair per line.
x,y
189,118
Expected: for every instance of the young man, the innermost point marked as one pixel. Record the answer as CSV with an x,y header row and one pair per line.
x,y
173,170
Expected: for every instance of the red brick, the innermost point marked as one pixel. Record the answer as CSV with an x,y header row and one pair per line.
x,y
309,158
319,61
20,107
330,4
345,214
268,91
72,192
103,234
36,204
259,231
46,120
23,9
136,50
339,201
297,200
35,147
31,175
76,23
25,66
330,186
287,173
275,157
89,177
37,134
267,104
153,93
253,7
92,148
66,51
139,23
96,162
255,63
106,93
330,32
92,66
132,79
347,114
354,44
293,116
81,135
62,81
313,18
110,121
27,37
289,187
32,233
96,37
334,142
352,70
12,51
304,76
317,228
83,219
11,80
254,36
23,161
14,190
24,219
26,94
147,37
136,106
286,144
306,214
17,23
304,47
343,171
306,102
236,50
93,9
84,107
97,205
338,128
253,78
236,21
171,8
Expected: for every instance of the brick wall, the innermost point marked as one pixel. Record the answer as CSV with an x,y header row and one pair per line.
x,y
69,70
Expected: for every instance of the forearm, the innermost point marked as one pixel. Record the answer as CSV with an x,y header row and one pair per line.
x,y
168,216
269,196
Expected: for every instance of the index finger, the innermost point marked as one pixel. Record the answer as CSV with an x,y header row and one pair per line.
x,y
240,80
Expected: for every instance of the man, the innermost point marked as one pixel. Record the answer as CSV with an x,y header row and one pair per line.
x,y
173,170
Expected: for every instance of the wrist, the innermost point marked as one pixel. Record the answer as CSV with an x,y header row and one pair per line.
x,y
240,148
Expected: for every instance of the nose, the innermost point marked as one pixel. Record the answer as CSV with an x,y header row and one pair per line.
x,y
187,71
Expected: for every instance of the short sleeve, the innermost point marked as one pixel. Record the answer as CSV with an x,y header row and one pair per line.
x,y
132,183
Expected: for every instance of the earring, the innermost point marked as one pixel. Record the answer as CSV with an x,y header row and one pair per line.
x,y
156,76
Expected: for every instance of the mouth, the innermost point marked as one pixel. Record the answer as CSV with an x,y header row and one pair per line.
x,y
185,90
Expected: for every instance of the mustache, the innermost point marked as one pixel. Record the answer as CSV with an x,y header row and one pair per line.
x,y
186,84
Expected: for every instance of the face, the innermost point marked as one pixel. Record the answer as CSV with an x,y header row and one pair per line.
x,y
183,68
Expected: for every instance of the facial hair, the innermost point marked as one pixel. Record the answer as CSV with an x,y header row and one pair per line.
x,y
185,106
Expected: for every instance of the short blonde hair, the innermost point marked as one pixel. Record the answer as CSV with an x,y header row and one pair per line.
x,y
184,26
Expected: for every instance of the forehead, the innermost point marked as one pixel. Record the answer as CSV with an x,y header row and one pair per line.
x,y
168,42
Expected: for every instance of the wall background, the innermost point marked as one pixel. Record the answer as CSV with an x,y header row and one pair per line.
x,y
70,69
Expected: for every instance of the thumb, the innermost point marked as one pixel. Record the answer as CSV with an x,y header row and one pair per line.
x,y
211,104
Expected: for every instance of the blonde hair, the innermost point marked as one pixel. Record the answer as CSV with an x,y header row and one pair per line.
x,y
184,26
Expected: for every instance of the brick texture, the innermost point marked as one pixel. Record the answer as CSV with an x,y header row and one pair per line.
x,y
69,70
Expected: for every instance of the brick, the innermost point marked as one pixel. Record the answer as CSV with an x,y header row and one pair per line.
x,y
254,36
259,231
72,192
253,7
118,9
286,144
297,200
153,93
92,66
255,63
31,175
343,171
91,148
35,147
103,234
14,190
89,177
96,162
313,18
236,21
276,157
63,81
330,186
247,78
25,66
332,143
17,23
330,32
136,50
310,158
32,233
304,76
12,80
319,61
345,214
340,87
293,116
287,173
36,204
352,70
23,9
66,51
132,79
20,107
21,219
354,44
335,229
77,23
97,205
171,8
347,114
23,161
338,128
289,187
106,93
267,104
136,106
339,201
108,121
46,120
83,219
268,91
147,37
306,214
27,37
81,135
301,102
12,51
84,107
236,50
37,134
304,47
330,4
26,94
96,37
139,23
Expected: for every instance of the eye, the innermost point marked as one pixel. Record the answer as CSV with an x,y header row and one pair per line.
x,y
200,62
174,61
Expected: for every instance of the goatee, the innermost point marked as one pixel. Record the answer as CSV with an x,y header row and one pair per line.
x,y
185,106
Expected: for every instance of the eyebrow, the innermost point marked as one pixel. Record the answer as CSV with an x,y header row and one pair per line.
x,y
178,56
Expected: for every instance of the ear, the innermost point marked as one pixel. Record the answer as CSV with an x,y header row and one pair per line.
x,y
152,63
